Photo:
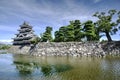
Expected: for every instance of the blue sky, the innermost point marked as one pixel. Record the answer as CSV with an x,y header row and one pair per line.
x,y
42,13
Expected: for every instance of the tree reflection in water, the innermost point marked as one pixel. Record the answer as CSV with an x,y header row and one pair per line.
x,y
27,68
62,68
46,70
24,68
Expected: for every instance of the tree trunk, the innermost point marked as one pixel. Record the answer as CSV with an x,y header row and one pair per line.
x,y
108,36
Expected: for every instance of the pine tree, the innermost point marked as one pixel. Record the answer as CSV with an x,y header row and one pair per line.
x,y
72,32
89,31
78,34
60,35
106,24
47,35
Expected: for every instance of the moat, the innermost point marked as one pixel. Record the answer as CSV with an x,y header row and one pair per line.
x,y
19,67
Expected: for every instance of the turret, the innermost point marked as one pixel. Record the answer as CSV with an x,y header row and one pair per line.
x,y
25,35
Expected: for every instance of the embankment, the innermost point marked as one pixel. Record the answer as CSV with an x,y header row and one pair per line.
x,y
69,49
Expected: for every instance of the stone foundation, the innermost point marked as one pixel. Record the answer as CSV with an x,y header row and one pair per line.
x,y
69,49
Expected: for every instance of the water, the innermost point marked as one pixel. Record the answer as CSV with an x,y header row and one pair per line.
x,y
18,67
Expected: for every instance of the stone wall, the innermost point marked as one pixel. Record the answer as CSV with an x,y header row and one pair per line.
x,y
69,49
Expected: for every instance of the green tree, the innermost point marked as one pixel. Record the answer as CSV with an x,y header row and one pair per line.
x,y
72,32
3,46
106,24
60,36
77,30
47,35
35,40
89,31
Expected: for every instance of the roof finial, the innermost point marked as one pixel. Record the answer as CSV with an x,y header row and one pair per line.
x,y
25,23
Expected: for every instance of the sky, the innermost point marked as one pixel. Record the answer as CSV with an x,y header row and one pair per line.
x,y
54,13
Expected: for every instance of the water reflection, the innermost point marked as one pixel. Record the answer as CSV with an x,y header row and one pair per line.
x,y
111,68
24,68
58,68
45,69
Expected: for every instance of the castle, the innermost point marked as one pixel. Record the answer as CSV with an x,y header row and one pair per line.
x,y
25,35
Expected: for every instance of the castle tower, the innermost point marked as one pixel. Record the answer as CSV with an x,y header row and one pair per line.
x,y
25,35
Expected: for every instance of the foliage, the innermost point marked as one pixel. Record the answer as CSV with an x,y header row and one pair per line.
x,y
104,41
35,40
106,24
3,47
77,30
60,36
89,31
72,32
47,35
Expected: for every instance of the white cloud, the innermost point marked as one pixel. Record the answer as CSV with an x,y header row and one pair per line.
x,y
81,18
6,41
31,10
